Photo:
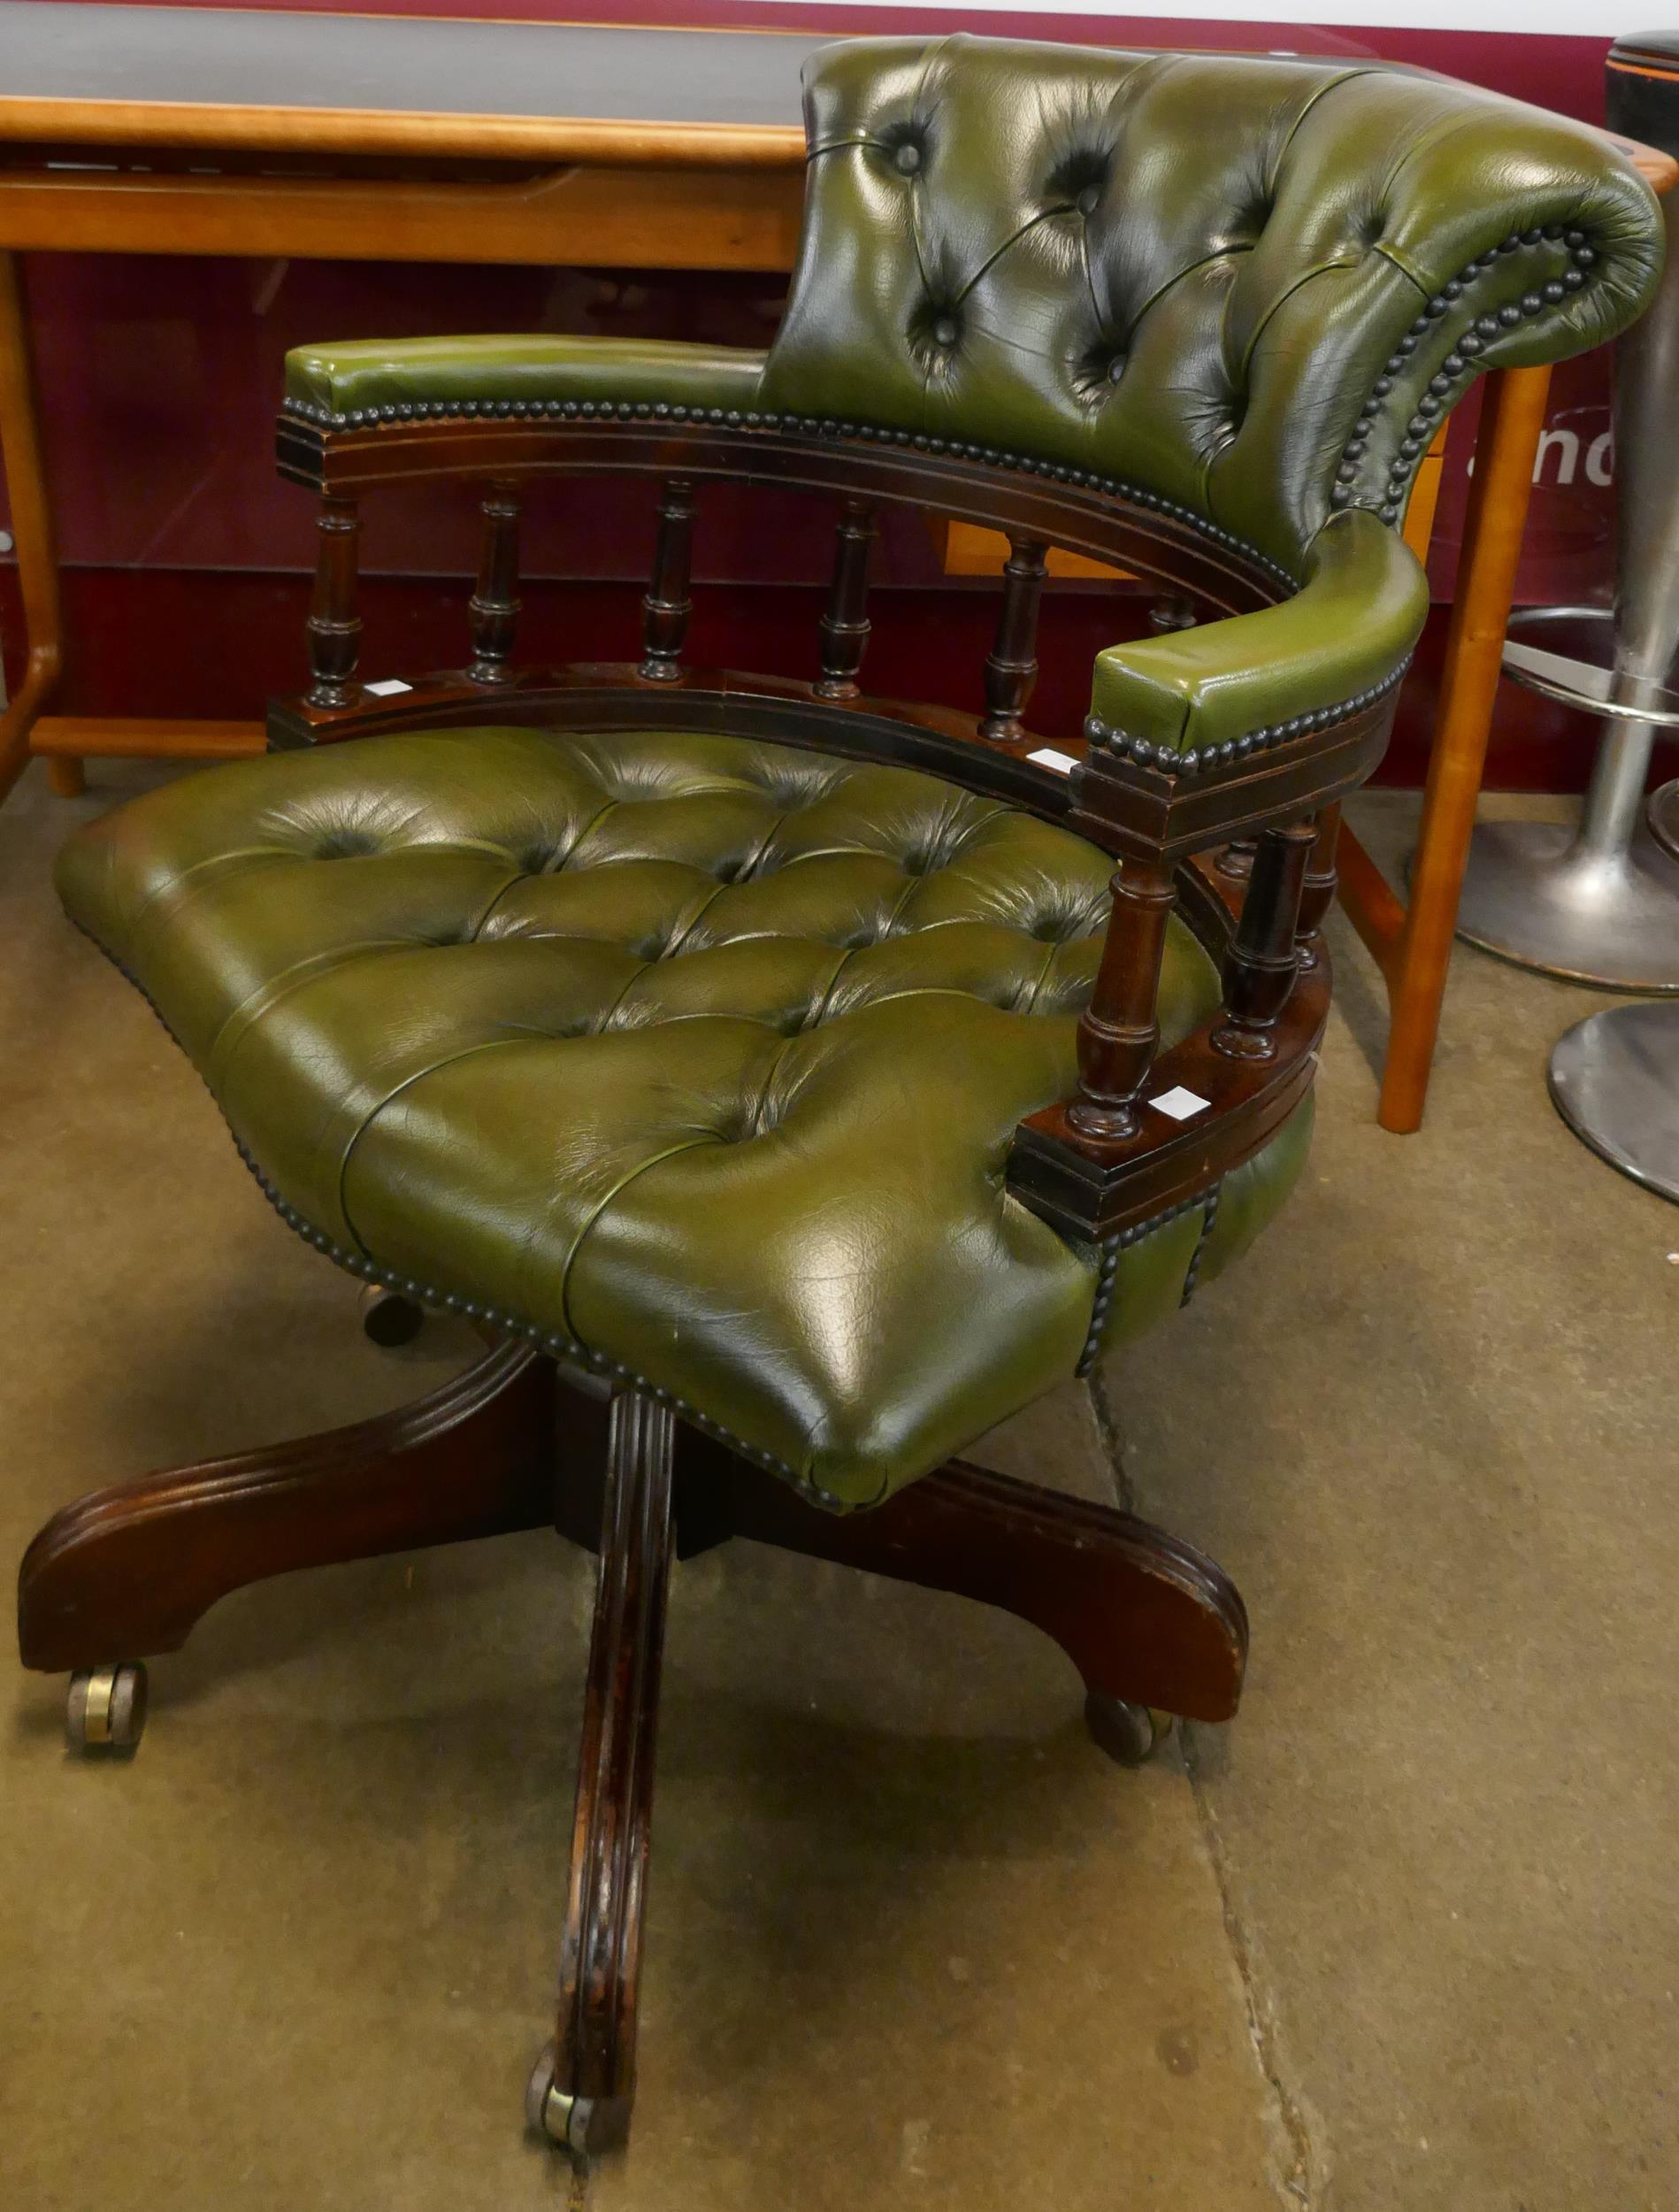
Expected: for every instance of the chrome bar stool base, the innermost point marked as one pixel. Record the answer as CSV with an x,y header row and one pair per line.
x,y
1534,894
1663,817
1615,1080
1599,902
1615,1077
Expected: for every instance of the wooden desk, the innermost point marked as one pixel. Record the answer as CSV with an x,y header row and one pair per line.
x,y
191,131
368,138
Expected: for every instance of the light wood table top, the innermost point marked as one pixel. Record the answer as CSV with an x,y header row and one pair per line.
x,y
276,80
284,81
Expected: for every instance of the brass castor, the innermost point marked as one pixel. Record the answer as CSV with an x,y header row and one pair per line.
x,y
388,1318
105,1708
585,2126
1129,1734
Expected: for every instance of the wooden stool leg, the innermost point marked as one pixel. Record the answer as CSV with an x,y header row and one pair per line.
x,y
32,530
129,1571
581,2090
1512,418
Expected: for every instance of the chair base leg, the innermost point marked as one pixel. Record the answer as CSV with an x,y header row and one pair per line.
x,y
128,1571
1153,1626
1147,1620
581,2091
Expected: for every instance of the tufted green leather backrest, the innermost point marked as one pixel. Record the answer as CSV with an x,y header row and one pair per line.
x,y
1248,285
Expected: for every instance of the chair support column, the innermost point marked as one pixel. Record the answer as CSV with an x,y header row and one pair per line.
x,y
581,2091
1264,958
334,628
1118,1031
844,626
1317,891
667,606
494,607
1011,666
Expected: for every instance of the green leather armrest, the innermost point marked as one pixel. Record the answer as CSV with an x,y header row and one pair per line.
x,y
362,376
1349,629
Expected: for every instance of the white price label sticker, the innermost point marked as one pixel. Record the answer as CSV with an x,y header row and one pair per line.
x,y
388,690
1180,1103
1048,756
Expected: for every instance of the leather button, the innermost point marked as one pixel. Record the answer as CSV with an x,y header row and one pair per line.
x,y
907,160
945,330
1117,368
1088,201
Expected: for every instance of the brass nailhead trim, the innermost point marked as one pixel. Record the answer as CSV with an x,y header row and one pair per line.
x,y
1193,1275
1419,431
1121,1240
1198,761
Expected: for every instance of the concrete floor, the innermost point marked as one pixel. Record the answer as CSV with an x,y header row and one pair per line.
x,y
1402,1937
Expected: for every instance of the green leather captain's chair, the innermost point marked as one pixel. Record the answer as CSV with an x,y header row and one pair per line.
x,y
786,1080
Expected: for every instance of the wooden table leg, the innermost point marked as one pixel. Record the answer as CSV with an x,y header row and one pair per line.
x,y
1512,418
32,529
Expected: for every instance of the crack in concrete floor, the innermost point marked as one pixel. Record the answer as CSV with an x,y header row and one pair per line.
x,y
1301,2169
1302,2173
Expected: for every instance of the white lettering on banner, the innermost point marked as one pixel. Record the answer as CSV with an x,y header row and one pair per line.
x,y
1567,445
1554,18
1599,462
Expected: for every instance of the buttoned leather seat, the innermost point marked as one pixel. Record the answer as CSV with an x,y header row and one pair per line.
x,y
695,1056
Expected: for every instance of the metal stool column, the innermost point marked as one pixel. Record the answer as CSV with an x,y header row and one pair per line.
x,y
1600,904
1615,1077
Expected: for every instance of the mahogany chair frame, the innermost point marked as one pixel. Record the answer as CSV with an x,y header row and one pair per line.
x,y
528,1437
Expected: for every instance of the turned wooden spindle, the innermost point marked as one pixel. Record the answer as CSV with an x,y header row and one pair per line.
x,y
1011,666
1235,861
667,606
1263,960
1318,887
844,625
334,628
1171,610
1118,1033
494,607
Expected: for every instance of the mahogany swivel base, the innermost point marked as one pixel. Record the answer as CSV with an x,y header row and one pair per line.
x,y
518,1441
